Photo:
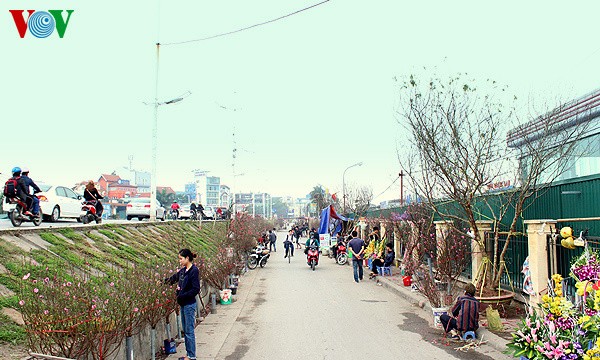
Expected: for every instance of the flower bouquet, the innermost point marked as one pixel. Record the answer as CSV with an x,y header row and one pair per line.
x,y
558,328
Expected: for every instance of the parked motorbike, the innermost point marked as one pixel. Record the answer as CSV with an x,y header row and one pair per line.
x,y
90,212
258,256
312,257
21,214
342,256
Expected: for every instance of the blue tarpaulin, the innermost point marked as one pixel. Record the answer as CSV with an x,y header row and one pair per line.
x,y
326,215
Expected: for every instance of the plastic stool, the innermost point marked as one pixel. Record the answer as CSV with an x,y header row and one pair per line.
x,y
469,335
384,270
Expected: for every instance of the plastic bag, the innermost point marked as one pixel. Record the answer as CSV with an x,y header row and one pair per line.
x,y
493,318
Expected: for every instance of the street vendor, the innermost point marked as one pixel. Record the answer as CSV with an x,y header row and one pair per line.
x,y
465,314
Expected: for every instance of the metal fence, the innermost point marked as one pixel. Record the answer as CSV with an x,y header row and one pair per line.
x,y
515,256
560,260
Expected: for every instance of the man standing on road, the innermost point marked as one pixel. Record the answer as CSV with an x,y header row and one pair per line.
x,y
272,239
357,247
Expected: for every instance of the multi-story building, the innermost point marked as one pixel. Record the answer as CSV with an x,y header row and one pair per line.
x,y
190,191
207,189
259,204
225,199
140,179
113,187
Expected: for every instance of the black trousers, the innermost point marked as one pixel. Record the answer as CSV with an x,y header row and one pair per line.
x,y
99,208
376,263
449,323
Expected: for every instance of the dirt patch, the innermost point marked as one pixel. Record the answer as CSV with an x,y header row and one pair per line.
x,y
13,352
3,269
435,336
238,353
5,292
14,315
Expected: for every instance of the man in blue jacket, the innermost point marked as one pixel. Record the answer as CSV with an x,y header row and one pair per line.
x,y
27,182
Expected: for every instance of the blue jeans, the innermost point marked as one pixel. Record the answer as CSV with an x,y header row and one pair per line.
x,y
358,269
289,248
188,319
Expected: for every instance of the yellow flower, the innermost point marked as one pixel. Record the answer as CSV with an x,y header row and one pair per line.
x,y
583,286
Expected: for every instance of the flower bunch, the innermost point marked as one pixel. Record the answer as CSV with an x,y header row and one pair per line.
x,y
586,267
560,329
556,331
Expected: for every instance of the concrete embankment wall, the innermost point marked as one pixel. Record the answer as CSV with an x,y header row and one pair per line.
x,y
96,250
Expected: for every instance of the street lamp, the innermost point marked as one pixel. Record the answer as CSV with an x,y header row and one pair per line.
x,y
344,183
153,181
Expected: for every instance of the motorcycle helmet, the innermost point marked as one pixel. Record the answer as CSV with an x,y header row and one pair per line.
x,y
24,169
16,169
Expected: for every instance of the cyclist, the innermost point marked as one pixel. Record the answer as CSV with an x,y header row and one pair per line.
x,y
289,243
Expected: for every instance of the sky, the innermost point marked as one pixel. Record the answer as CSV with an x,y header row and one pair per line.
x,y
308,96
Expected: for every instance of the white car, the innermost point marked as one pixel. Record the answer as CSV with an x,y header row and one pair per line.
x,y
209,213
56,202
184,211
140,208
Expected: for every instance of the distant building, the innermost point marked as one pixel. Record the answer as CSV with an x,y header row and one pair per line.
x,y
225,198
582,112
140,179
190,191
208,189
259,204
112,187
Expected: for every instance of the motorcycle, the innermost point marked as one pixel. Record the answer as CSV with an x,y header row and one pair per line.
x,y
342,256
312,257
259,256
21,213
90,212
173,214
193,215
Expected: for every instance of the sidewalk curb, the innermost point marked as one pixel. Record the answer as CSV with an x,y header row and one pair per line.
x,y
414,297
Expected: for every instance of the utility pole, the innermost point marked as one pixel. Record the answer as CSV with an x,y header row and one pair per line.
x,y
401,175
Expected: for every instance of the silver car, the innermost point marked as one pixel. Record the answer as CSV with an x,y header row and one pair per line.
x,y
140,208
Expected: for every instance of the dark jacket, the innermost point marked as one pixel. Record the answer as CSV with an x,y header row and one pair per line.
x,y
27,181
189,285
466,311
389,259
90,195
22,189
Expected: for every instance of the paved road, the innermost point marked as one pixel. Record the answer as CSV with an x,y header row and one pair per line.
x,y
286,311
5,223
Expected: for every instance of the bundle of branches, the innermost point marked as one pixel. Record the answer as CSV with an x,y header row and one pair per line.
x,y
216,267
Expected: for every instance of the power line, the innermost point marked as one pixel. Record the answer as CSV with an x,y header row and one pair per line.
x,y
248,27
381,193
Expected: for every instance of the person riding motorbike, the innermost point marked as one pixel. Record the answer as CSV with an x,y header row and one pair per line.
x,y
175,207
32,201
334,248
91,194
200,209
313,241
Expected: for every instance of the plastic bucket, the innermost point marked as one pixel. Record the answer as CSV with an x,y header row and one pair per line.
x,y
225,296
407,280
437,312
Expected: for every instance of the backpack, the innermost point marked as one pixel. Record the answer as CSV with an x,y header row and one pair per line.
x,y
10,187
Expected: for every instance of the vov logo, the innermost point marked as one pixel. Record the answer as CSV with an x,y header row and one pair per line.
x,y
41,24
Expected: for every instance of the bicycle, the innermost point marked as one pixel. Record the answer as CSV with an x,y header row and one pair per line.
x,y
288,250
